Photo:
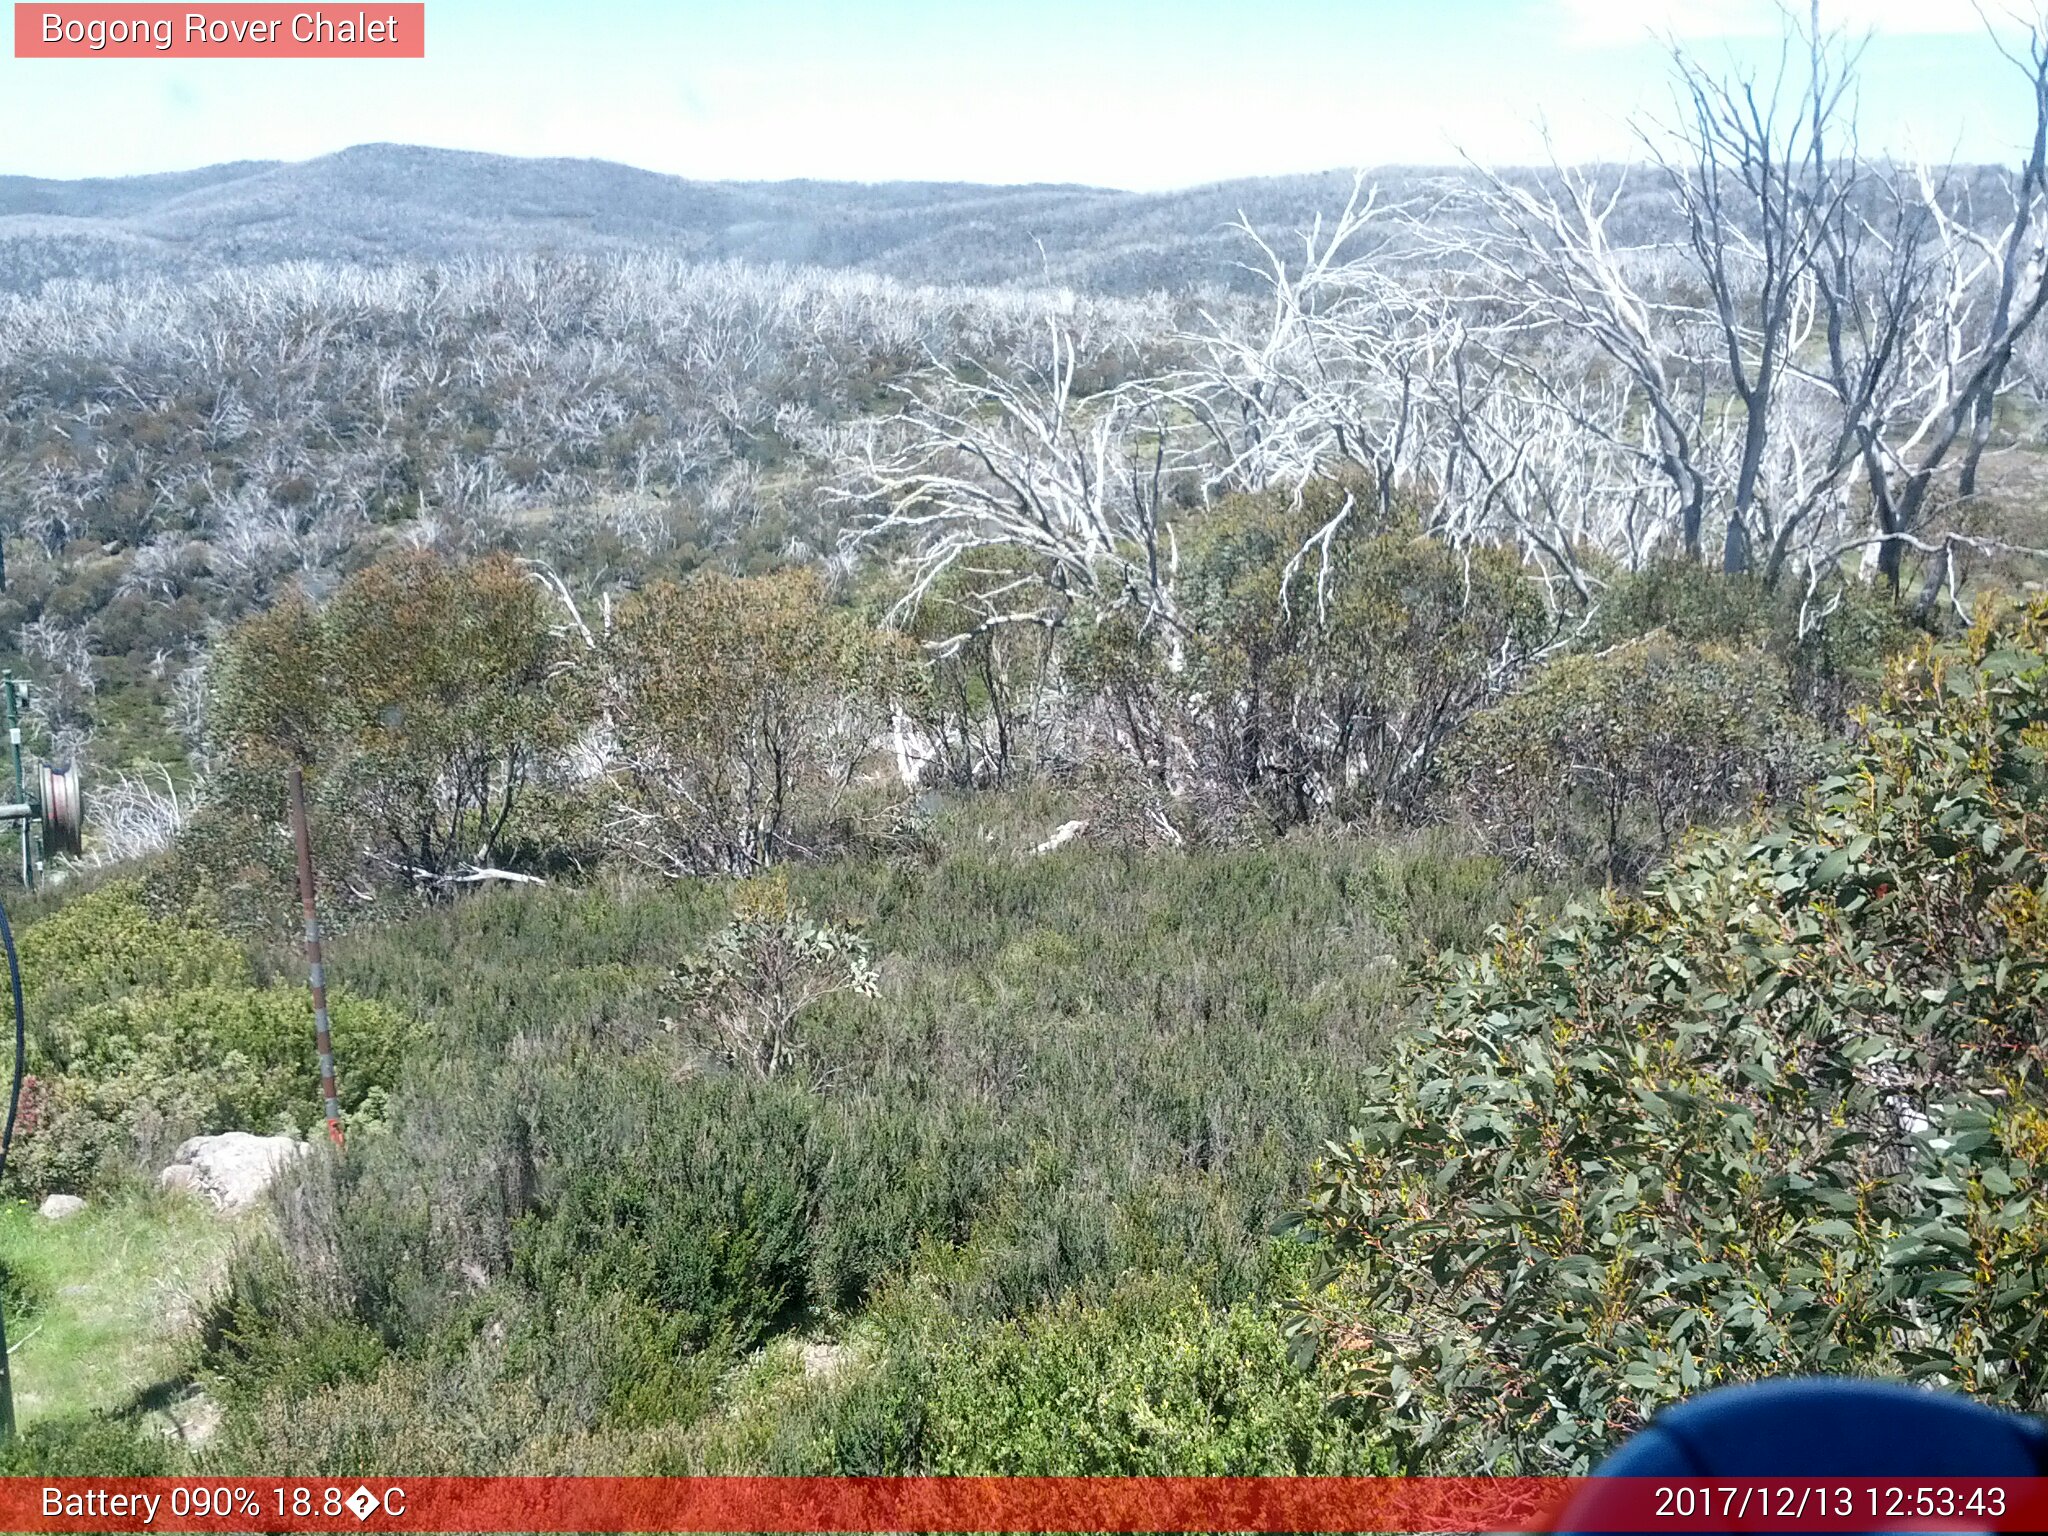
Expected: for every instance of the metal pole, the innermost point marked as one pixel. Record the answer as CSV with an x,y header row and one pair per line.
x,y
316,976
28,867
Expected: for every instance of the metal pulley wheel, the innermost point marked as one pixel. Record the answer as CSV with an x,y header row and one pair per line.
x,y
63,811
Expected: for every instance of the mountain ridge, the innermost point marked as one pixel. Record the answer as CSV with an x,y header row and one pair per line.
x,y
374,202
379,203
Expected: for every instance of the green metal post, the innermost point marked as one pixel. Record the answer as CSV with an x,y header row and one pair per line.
x,y
14,690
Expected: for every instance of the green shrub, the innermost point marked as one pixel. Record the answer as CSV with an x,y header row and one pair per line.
x,y
24,1292
263,1334
742,711
1832,643
267,1031
128,1079
1779,1114
1014,1117
607,1360
424,699
747,987
701,1205
1153,1381
89,1445
147,1029
1316,686
1604,760
454,1417
109,944
983,697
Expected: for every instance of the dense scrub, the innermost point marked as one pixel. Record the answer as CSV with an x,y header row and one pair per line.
x,y
1081,1070
461,721
146,1030
175,455
636,1133
1780,1113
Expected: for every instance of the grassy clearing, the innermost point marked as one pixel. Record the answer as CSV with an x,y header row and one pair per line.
x,y
117,1286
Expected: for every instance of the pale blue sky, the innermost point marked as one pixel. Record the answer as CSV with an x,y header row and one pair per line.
x,y
1129,93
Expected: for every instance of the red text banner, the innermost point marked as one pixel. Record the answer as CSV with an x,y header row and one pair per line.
x,y
235,31
1054,1504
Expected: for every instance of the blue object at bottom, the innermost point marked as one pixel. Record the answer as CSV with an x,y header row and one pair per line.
x,y
1831,1428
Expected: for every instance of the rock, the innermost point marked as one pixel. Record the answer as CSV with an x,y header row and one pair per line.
x,y
231,1170
824,1360
1062,836
192,1419
57,1207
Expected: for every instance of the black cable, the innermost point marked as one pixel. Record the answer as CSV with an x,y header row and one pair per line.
x,y
20,1037
7,1141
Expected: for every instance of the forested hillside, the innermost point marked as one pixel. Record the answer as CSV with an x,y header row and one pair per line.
x,y
381,203
1387,865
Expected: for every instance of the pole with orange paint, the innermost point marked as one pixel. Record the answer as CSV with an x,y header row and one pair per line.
x,y
316,976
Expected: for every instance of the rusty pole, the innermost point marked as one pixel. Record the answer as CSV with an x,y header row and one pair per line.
x,y
316,977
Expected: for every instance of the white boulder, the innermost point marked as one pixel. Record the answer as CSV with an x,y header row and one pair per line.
x,y
57,1207
231,1170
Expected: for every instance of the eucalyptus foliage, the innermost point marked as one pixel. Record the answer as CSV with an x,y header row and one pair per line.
x,y
763,970
425,700
1606,759
1782,1113
740,709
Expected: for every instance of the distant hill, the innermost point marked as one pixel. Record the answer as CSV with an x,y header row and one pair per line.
x,y
389,201
386,202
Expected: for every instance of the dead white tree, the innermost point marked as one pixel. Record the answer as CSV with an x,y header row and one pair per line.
x,y
1824,346
1330,370
1749,168
1550,261
136,815
1025,464
1926,316
1536,466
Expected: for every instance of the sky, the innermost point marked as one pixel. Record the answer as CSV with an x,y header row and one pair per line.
x,y
1140,94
